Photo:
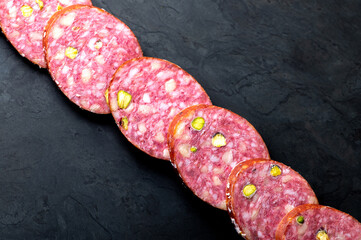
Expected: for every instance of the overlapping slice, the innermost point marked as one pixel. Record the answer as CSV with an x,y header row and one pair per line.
x,y
23,23
261,192
84,47
144,96
205,143
318,222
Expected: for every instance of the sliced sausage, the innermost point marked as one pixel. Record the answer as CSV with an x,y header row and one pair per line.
x,y
206,143
144,96
260,192
84,47
23,23
318,222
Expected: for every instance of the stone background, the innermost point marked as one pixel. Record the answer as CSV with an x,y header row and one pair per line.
x,y
292,68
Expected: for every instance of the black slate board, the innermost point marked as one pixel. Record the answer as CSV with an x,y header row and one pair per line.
x,y
292,68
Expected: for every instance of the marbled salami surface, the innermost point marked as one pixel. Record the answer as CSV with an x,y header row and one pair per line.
x,y
26,32
256,217
336,224
159,90
206,169
99,43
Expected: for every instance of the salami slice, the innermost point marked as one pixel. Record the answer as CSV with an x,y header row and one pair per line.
x,y
23,23
145,94
84,47
205,143
260,192
318,222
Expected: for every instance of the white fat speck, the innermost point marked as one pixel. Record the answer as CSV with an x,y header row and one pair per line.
x,y
159,137
216,181
91,43
163,106
186,80
35,36
228,157
68,19
64,2
260,234
100,59
173,112
119,27
133,72
144,109
166,155
142,128
12,12
222,205
94,107
59,55
101,85
204,169
77,95
179,130
286,178
312,199
86,75
254,214
217,170
14,34
302,229
214,158
184,150
289,207
70,81
182,105
155,65
65,70
290,192
160,74
146,98
114,105
129,108
170,86
57,32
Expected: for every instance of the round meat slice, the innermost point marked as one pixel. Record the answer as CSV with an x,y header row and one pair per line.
x,y
206,143
318,222
144,96
23,23
260,192
84,46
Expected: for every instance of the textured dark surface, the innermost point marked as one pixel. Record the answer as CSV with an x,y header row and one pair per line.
x,y
292,68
